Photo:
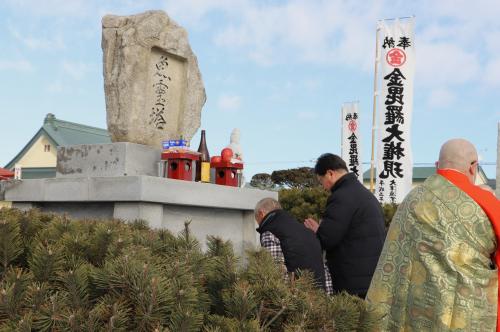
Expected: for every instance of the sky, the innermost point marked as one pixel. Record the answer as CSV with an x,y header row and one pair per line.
x,y
277,70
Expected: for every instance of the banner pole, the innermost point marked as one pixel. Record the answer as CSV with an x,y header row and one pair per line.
x,y
374,122
342,130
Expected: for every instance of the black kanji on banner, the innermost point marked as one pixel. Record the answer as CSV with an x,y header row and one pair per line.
x,y
353,154
392,191
394,117
388,42
404,42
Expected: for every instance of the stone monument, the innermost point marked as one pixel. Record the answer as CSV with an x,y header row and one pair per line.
x,y
153,92
153,86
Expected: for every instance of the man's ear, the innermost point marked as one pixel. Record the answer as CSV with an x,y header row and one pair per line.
x,y
473,169
260,215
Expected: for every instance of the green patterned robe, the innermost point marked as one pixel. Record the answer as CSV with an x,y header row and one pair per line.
x,y
435,272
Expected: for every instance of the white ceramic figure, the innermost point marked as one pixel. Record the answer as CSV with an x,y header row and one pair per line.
x,y
235,146
237,153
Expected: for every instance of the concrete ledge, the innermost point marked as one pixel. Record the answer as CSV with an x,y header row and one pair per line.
x,y
136,189
164,203
113,159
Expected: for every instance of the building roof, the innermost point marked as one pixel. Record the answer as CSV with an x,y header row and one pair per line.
x,y
61,133
420,173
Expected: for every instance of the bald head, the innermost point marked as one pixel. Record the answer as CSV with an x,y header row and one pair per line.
x,y
264,206
460,155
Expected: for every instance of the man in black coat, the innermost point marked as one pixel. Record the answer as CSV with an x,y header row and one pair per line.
x,y
299,245
352,230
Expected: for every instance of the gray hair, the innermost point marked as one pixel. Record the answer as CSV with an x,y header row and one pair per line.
x,y
267,205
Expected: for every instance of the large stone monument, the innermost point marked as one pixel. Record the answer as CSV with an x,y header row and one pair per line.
x,y
152,82
153,92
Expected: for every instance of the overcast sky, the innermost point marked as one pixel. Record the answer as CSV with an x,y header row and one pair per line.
x,y
278,70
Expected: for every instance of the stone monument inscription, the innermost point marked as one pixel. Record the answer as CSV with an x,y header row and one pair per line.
x,y
152,83
166,90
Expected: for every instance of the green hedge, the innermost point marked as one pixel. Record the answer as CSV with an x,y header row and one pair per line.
x,y
311,202
58,274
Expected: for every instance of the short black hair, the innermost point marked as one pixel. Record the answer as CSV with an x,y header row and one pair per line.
x,y
329,161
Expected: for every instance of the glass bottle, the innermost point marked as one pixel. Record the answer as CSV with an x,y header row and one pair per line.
x,y
203,165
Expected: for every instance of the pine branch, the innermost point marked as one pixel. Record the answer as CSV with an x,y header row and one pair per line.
x,y
185,320
99,241
111,313
240,302
186,240
218,247
51,315
75,284
152,302
268,324
46,261
10,243
36,294
24,324
220,271
345,312
13,289
76,246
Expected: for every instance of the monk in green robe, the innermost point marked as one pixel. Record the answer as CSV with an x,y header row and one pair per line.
x,y
437,270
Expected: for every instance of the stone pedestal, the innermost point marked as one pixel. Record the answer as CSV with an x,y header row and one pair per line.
x,y
111,192
113,159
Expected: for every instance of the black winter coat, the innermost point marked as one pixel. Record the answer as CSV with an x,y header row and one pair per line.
x,y
352,233
301,248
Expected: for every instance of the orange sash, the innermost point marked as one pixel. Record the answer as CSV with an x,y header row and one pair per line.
x,y
490,205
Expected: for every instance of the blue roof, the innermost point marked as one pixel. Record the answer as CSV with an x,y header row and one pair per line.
x,y
70,133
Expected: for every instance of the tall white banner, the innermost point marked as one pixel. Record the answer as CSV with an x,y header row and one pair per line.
x,y
397,67
351,149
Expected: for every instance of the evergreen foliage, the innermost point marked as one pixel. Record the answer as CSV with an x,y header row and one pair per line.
x,y
59,274
262,181
301,194
301,177
10,243
304,203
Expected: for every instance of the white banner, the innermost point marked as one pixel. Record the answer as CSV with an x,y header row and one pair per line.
x,y
18,172
397,68
351,149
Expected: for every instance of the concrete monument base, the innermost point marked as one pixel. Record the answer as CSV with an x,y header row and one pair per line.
x,y
223,211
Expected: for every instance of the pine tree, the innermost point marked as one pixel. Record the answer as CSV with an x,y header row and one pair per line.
x,y
90,275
